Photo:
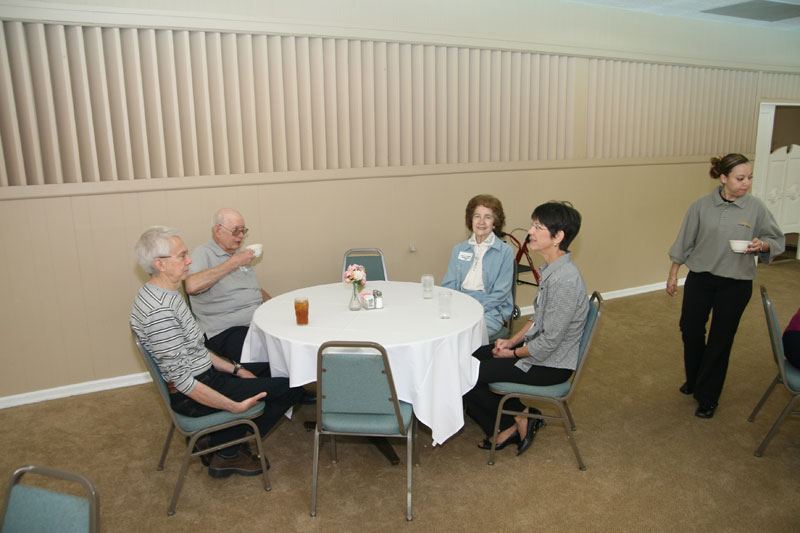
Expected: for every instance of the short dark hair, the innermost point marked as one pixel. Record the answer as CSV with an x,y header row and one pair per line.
x,y
559,216
487,200
724,165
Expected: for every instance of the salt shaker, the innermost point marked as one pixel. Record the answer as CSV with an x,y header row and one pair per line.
x,y
378,299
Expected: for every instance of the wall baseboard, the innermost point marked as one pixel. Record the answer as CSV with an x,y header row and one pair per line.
x,y
72,390
144,377
611,295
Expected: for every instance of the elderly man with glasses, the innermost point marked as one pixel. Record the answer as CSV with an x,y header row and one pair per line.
x,y
223,287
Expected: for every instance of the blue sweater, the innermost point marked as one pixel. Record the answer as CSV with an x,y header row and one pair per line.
x,y
498,274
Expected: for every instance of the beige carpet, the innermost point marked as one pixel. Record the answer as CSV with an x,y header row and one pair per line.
x,y
652,465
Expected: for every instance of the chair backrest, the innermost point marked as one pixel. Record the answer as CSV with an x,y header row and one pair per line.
x,y
775,337
596,303
370,258
152,368
29,508
354,377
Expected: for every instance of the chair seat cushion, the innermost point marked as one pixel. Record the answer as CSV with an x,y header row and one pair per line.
x,y
551,391
792,376
191,424
367,423
34,509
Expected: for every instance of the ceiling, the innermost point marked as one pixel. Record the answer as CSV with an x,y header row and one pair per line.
x,y
773,14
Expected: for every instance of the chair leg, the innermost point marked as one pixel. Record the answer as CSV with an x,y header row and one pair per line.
x,y
166,446
569,415
777,424
415,437
764,398
496,428
570,437
333,449
182,475
409,468
261,456
314,473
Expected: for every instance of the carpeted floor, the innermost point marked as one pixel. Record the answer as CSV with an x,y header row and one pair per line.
x,y
651,464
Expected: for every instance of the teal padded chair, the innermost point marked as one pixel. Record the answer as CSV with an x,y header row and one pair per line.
x,y
556,395
787,373
356,396
196,427
27,508
370,258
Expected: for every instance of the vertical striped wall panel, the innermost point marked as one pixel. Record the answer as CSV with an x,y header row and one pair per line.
x,y
650,110
91,104
88,104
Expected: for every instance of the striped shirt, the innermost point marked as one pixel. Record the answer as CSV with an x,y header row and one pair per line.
x,y
559,316
165,326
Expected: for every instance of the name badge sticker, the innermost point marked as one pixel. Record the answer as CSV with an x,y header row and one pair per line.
x,y
465,256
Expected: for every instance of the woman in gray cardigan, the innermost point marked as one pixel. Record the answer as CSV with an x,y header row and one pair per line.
x,y
545,350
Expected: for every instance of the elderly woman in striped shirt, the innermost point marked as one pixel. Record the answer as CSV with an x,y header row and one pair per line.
x,y
545,350
200,382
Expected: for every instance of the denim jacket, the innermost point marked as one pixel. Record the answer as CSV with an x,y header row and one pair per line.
x,y
498,273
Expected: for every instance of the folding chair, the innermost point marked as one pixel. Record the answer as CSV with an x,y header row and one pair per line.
x,y
356,396
553,394
370,258
28,508
787,374
196,427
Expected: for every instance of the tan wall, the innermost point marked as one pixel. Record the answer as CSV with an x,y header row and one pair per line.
x,y
69,275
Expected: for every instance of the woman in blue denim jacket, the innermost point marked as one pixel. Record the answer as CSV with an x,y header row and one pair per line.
x,y
483,265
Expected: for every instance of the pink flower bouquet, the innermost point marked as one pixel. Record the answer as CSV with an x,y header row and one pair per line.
x,y
357,275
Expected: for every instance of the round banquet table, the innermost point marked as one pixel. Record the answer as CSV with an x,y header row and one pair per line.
x,y
431,358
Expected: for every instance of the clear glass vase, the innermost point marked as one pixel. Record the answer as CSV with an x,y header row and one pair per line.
x,y
355,303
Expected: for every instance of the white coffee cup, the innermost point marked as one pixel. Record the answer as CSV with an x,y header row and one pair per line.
x,y
738,246
257,248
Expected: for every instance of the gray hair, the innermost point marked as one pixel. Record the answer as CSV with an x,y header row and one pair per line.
x,y
153,243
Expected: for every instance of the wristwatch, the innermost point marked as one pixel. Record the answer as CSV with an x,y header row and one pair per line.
x,y
236,368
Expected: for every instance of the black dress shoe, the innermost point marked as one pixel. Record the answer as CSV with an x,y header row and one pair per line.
x,y
705,411
308,398
686,389
487,444
533,426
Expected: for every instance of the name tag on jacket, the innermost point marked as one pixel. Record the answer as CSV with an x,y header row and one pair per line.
x,y
465,256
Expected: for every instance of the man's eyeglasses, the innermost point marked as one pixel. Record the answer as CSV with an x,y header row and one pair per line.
x,y
236,231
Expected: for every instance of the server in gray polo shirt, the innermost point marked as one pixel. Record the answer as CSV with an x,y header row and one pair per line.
x,y
223,287
719,279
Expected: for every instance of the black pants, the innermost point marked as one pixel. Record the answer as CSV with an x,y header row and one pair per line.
x,y
229,344
706,360
482,403
791,347
280,397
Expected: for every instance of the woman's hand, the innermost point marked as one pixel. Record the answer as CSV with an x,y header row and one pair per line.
x,y
756,246
501,343
503,352
672,286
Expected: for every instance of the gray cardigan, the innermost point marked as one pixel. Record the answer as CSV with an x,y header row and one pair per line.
x,y
559,315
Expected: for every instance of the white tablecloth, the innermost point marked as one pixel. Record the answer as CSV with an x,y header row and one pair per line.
x,y
430,357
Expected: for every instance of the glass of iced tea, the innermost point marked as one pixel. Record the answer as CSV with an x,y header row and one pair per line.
x,y
301,310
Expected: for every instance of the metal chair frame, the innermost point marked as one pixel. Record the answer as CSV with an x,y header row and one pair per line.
x,y
175,423
91,490
560,402
412,454
780,360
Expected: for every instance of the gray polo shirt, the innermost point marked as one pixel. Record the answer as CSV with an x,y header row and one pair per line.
x,y
229,302
711,222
